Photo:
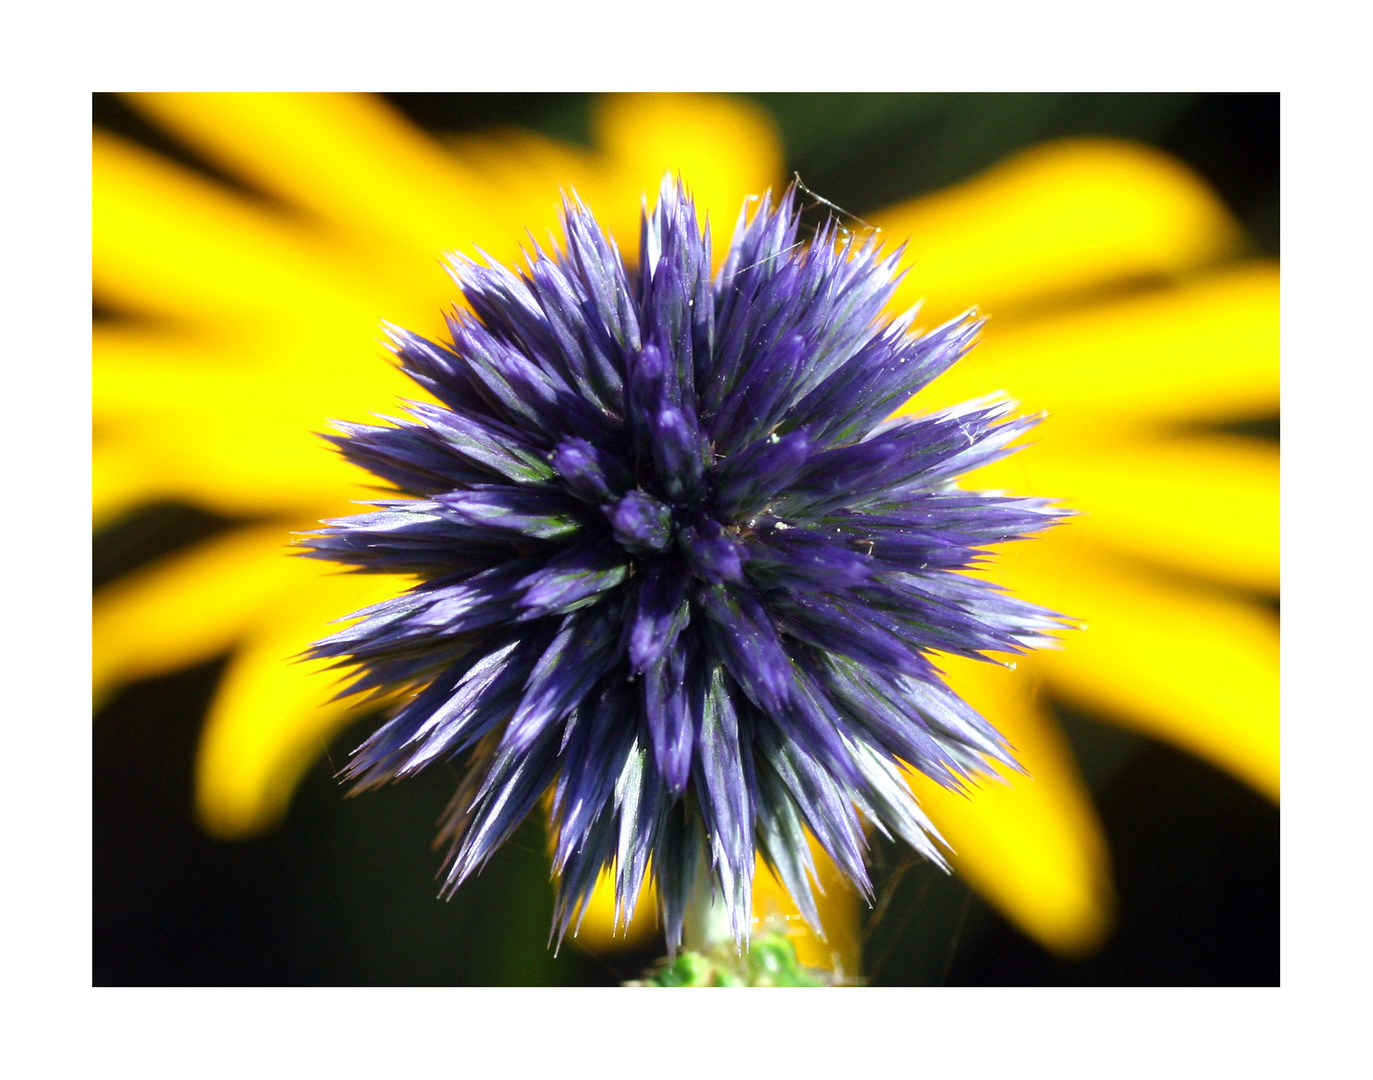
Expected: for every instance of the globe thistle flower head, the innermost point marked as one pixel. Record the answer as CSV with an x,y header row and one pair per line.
x,y
677,571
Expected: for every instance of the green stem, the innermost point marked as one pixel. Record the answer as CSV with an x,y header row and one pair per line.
x,y
705,923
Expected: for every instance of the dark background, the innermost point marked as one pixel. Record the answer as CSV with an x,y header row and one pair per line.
x,y
344,893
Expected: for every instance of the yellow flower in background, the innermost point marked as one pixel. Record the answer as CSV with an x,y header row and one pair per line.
x,y
1116,304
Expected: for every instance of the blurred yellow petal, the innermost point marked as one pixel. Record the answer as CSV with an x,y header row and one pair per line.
x,y
230,428
1169,658
122,481
272,716
223,471
1206,505
144,375
188,607
598,930
352,160
528,170
1057,218
840,908
1203,351
724,148
347,158
301,374
169,243
1032,847
139,370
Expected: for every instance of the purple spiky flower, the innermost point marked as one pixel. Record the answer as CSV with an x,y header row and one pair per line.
x,y
676,567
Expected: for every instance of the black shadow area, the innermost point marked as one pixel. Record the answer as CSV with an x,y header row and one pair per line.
x,y
1196,866
343,894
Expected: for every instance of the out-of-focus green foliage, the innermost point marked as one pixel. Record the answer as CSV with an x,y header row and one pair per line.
x,y
770,961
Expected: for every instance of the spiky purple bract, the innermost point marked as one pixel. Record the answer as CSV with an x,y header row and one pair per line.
x,y
676,566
